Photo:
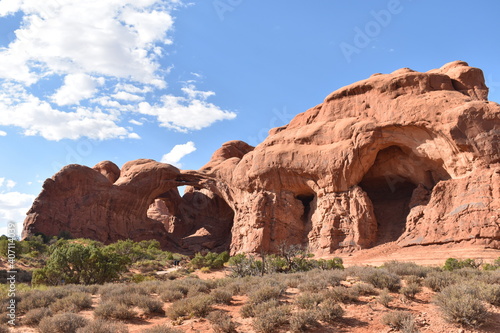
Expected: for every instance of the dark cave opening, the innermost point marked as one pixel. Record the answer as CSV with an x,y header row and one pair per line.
x,y
390,197
390,183
306,200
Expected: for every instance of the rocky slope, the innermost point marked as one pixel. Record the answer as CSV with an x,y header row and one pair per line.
x,y
406,157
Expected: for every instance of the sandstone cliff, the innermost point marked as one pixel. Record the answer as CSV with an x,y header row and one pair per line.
x,y
406,157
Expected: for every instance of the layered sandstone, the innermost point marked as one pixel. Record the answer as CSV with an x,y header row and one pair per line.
x,y
408,157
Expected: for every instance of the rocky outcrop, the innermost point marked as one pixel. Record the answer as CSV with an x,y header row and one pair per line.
x,y
406,157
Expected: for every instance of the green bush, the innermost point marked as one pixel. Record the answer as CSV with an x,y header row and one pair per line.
x,y
461,304
80,264
211,260
62,323
452,264
103,326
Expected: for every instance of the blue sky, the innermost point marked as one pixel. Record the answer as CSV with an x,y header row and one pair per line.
x,y
171,80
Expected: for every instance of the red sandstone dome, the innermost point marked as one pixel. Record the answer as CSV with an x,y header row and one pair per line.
x,y
407,157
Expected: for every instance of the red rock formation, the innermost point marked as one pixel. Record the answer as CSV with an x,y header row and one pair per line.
x,y
408,157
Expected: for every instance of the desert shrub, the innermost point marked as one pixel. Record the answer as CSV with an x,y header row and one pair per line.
x,y
342,294
162,329
409,279
35,299
62,323
222,296
103,326
170,295
269,321
400,320
490,293
364,289
211,260
461,304
251,310
265,293
385,298
198,306
440,280
34,316
301,321
112,290
111,310
309,300
329,311
410,290
221,322
148,304
312,285
380,278
72,303
242,266
145,266
80,264
4,329
406,269
452,264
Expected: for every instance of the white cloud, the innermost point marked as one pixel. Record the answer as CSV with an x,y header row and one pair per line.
x,y
108,53
186,113
3,133
125,96
8,183
37,117
135,122
13,207
177,153
76,87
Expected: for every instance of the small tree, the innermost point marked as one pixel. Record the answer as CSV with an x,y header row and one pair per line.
x,y
81,264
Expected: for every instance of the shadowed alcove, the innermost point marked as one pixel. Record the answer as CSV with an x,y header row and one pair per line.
x,y
390,184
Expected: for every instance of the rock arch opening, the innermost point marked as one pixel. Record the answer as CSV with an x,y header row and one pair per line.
x,y
196,220
391,184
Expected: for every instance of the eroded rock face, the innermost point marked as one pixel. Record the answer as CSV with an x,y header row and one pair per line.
x,y
408,157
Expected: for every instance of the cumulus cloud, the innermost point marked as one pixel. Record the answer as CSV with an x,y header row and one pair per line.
x,y
76,87
191,112
13,207
37,117
3,133
107,54
177,153
135,122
